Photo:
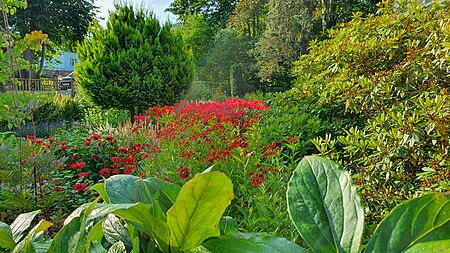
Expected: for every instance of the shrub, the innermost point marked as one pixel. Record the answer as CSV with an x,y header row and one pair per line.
x,y
384,80
133,62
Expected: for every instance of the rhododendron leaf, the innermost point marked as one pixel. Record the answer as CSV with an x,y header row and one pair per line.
x,y
21,224
416,225
249,243
150,220
324,206
131,189
196,213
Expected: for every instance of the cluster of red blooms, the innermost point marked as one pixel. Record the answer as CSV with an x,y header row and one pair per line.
x,y
258,177
184,171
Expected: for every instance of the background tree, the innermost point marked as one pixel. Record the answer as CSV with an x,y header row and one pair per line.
x,y
249,17
215,12
133,63
290,26
197,35
64,21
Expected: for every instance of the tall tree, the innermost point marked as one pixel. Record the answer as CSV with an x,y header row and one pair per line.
x,y
290,25
249,17
197,35
64,21
134,62
216,12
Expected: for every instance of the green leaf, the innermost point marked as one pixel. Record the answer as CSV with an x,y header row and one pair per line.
x,y
96,247
196,213
131,189
325,207
117,247
71,238
228,225
21,224
149,220
96,233
250,243
100,189
6,239
414,225
114,232
26,245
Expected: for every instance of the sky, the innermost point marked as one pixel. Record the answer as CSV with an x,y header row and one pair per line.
x,y
158,6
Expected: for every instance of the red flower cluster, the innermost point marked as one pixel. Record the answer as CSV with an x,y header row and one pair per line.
x,y
80,187
78,165
184,171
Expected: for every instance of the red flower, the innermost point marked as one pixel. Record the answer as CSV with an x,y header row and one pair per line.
x,y
104,171
78,165
57,188
96,137
63,143
95,157
83,174
115,172
87,143
56,182
31,137
75,157
99,143
257,179
184,171
109,138
122,149
115,159
51,139
80,187
64,147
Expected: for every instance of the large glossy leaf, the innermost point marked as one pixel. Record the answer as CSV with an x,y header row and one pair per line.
x,y
418,225
249,243
21,224
325,207
149,220
196,213
131,189
6,239
100,189
114,232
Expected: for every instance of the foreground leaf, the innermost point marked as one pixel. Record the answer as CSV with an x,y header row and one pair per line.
x,y
26,245
249,243
21,224
122,189
6,239
418,225
114,232
196,213
149,220
325,207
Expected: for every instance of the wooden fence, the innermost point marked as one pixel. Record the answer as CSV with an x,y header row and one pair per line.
x,y
41,85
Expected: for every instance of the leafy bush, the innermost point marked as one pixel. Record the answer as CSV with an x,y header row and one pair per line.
x,y
382,81
133,62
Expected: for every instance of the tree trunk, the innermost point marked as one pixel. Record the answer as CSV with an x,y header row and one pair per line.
x,y
41,65
29,55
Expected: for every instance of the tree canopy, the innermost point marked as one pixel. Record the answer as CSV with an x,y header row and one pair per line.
x,y
133,62
65,21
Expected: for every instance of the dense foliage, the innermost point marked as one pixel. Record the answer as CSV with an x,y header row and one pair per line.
x,y
384,80
133,62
